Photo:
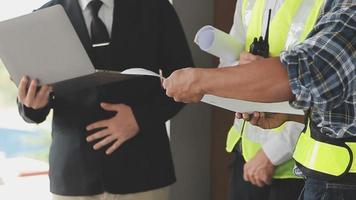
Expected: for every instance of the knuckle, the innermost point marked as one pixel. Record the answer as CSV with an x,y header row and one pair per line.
x,y
28,103
34,106
21,98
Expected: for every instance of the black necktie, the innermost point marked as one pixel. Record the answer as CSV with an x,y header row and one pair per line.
x,y
99,33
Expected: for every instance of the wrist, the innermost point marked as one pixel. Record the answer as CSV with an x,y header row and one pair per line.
x,y
266,160
200,80
205,80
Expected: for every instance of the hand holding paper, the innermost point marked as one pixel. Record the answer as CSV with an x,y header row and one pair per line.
x,y
182,85
185,85
269,120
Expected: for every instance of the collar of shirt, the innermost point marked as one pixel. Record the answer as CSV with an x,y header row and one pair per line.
x,y
84,3
105,13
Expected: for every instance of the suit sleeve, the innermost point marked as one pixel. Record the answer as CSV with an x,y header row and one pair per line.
x,y
34,116
174,53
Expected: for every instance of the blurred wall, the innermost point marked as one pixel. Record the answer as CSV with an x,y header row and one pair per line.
x,y
191,128
198,132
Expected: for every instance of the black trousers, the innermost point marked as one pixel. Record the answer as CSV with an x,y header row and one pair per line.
x,y
280,189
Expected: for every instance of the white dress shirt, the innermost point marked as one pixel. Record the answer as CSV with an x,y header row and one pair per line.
x,y
106,13
279,148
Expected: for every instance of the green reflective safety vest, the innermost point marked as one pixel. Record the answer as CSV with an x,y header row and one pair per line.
x,y
289,26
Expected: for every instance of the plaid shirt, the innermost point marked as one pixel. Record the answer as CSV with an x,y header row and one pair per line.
x,y
322,70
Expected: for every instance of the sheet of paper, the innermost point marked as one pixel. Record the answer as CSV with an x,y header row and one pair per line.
x,y
218,43
248,106
140,71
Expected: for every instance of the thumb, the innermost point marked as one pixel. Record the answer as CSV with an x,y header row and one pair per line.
x,y
165,83
110,107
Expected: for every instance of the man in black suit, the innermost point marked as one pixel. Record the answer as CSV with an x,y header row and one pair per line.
x,y
111,141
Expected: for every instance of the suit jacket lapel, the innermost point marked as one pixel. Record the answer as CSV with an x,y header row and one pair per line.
x,y
125,23
76,17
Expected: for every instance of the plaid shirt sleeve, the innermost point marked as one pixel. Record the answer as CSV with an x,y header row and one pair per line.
x,y
322,68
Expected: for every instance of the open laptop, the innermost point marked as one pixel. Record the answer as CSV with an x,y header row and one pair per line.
x,y
45,46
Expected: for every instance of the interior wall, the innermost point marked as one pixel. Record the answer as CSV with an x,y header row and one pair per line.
x,y
191,128
221,118
198,132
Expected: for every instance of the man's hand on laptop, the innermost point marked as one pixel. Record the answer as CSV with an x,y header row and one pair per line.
x,y
31,96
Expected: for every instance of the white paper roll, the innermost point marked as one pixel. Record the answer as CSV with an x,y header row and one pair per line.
x,y
218,43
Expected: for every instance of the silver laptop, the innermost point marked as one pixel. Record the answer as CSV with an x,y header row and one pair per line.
x,y
44,45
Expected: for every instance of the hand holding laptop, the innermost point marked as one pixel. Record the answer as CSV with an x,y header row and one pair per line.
x,y
30,96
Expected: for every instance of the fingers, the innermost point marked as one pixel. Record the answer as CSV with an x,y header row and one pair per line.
x,y
98,135
258,182
261,179
257,173
247,174
255,118
176,99
104,142
250,176
253,177
171,94
107,140
42,96
22,91
238,115
182,87
31,93
110,107
266,179
165,83
115,146
99,124
246,57
30,97
246,116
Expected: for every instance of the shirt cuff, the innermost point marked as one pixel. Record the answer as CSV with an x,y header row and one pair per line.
x,y
280,148
299,78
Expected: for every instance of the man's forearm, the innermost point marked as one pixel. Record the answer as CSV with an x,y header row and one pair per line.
x,y
262,81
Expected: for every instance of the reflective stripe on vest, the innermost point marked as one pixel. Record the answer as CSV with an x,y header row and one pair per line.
x,y
303,23
289,26
325,158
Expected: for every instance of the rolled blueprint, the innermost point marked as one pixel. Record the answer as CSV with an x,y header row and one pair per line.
x,y
218,43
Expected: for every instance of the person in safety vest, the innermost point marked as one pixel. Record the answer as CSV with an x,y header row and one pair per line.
x,y
317,76
263,167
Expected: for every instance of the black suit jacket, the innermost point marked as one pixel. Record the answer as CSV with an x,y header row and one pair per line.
x,y
146,33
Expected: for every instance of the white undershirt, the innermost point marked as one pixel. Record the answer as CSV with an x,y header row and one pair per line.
x,y
106,13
